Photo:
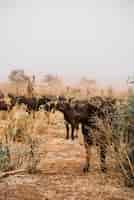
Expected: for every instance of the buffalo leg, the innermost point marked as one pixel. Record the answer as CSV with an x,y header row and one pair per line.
x,y
72,132
67,130
77,129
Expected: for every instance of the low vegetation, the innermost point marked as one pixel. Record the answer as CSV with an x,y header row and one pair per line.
x,y
34,141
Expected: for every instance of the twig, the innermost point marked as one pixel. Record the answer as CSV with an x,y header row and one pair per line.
x,y
130,165
5,174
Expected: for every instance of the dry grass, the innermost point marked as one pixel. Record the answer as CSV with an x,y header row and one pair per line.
x,y
34,144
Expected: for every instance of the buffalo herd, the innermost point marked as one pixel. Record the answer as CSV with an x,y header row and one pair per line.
x,y
96,117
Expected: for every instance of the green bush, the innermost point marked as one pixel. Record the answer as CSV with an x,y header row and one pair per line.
x,y
131,106
4,157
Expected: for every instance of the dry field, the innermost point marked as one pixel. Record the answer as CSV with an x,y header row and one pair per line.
x,y
60,175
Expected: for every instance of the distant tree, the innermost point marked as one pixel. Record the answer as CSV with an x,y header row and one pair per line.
x,y
18,78
52,79
110,91
130,83
130,80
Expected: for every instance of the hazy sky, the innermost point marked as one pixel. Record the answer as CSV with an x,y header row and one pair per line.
x,y
68,37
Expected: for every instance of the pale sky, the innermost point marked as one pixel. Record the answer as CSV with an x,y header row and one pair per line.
x,y
68,37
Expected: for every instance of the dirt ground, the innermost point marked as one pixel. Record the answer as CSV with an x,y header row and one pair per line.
x,y
61,176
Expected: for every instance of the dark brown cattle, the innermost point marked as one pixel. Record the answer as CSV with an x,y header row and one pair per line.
x,y
86,114
33,103
4,106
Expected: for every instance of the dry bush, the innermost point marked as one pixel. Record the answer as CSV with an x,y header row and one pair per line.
x,y
19,148
4,157
18,155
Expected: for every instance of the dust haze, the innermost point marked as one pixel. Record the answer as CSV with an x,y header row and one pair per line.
x,y
73,39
